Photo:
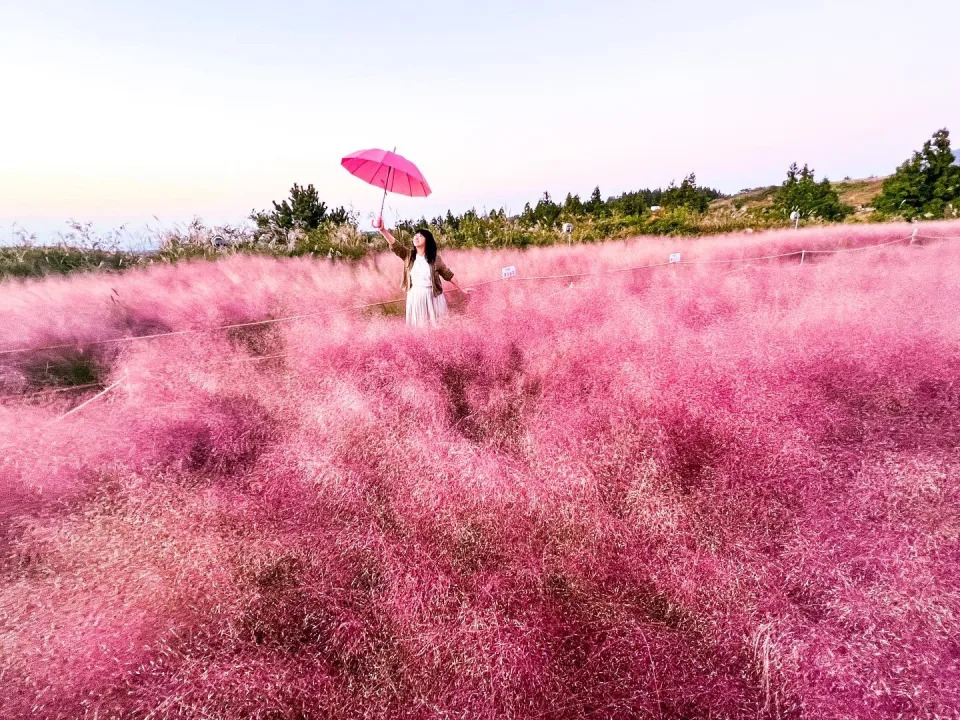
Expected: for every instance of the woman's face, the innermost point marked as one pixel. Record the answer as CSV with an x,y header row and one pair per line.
x,y
419,242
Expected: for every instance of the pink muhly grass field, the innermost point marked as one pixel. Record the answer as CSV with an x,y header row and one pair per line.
x,y
724,491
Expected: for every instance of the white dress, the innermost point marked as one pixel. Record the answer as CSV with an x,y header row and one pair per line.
x,y
423,309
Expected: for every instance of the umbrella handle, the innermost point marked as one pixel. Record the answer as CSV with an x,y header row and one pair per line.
x,y
384,201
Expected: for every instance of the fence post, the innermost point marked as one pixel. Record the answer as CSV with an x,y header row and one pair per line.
x,y
913,235
803,254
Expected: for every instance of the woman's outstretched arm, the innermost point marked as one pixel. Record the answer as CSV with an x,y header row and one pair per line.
x,y
457,286
388,236
398,247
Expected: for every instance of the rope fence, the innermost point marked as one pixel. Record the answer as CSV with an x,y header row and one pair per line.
x,y
51,391
82,405
726,261
520,278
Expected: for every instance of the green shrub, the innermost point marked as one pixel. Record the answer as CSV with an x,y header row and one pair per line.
x,y
303,210
801,193
689,195
926,185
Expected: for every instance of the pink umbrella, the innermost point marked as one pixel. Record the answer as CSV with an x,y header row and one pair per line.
x,y
387,170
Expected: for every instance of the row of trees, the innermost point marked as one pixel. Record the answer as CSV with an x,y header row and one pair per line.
x,y
303,211
800,193
686,195
615,212
926,185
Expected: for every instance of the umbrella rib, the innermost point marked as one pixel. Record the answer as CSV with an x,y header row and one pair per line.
x,y
375,172
360,167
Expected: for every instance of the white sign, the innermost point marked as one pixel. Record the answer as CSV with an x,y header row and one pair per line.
x,y
674,257
509,272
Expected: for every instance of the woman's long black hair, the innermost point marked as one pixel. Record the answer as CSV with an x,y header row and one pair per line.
x,y
429,248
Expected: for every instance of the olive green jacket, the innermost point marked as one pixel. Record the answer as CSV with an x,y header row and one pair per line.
x,y
437,268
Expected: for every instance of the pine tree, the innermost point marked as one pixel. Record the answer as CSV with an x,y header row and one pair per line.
x,y
573,205
928,184
303,210
801,193
547,211
688,195
596,200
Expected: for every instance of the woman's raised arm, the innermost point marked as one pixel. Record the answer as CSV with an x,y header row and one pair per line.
x,y
398,248
378,224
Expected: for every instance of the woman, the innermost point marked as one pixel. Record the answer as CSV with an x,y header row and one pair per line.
x,y
422,271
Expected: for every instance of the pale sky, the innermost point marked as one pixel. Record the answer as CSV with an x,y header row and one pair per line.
x,y
120,111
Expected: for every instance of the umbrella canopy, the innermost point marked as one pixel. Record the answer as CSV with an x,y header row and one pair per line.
x,y
387,170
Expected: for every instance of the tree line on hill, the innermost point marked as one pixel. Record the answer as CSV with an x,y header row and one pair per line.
x,y
927,185
924,186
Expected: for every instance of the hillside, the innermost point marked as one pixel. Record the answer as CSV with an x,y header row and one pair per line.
x,y
858,193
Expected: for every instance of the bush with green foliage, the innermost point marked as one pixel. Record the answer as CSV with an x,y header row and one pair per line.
x,y
596,219
927,185
801,193
596,201
689,195
546,212
302,211
306,226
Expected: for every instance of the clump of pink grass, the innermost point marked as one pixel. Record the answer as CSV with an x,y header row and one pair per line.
x,y
700,491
